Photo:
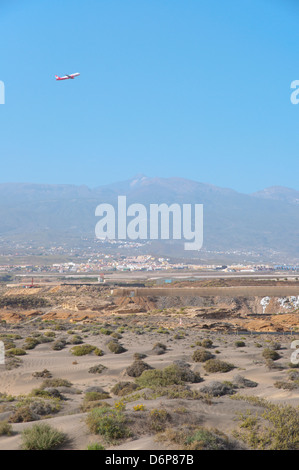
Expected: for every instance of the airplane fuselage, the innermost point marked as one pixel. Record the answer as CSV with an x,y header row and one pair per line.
x,y
67,77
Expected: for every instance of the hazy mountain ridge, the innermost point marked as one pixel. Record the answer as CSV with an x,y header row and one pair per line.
x,y
264,221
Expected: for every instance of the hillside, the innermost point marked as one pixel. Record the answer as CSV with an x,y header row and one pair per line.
x,y
262,224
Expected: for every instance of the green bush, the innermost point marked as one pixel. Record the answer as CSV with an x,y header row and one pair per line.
x,y
15,352
5,428
76,339
240,344
41,437
53,383
85,349
107,422
201,355
95,446
115,347
170,375
31,343
215,365
123,388
274,428
94,396
271,354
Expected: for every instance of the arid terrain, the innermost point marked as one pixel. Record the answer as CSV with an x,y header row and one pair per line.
x,y
154,372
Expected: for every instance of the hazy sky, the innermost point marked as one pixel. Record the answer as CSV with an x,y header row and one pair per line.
x,y
192,88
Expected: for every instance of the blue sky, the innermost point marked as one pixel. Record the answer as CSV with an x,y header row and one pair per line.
x,y
192,88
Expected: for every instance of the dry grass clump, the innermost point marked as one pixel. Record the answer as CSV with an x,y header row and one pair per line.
x,y
5,428
41,436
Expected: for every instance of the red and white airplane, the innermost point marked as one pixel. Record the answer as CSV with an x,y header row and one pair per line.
x,y
67,77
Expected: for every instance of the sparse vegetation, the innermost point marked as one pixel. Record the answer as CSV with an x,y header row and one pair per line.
x,y
85,349
107,422
42,436
201,355
115,347
274,428
215,365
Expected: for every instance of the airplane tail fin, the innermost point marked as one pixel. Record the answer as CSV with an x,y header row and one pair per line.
x,y
56,76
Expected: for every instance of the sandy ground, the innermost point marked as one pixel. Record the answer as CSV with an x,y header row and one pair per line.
x,y
221,413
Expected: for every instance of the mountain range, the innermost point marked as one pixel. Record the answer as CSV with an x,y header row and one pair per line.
x,y
264,224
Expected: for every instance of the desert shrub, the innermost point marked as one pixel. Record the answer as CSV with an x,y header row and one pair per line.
x,y
23,414
85,349
5,428
76,339
218,389
198,439
136,369
158,419
187,375
274,345
274,428
107,422
95,446
105,331
59,345
270,354
241,382
205,343
272,365
44,374
139,407
52,383
139,356
179,391
294,375
94,396
123,388
170,375
240,344
215,365
98,369
41,436
6,398
115,347
44,408
285,385
23,301
15,352
201,355
159,348
116,335
50,334
30,343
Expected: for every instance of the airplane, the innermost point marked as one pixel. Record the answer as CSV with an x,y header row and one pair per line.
x,y
67,77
